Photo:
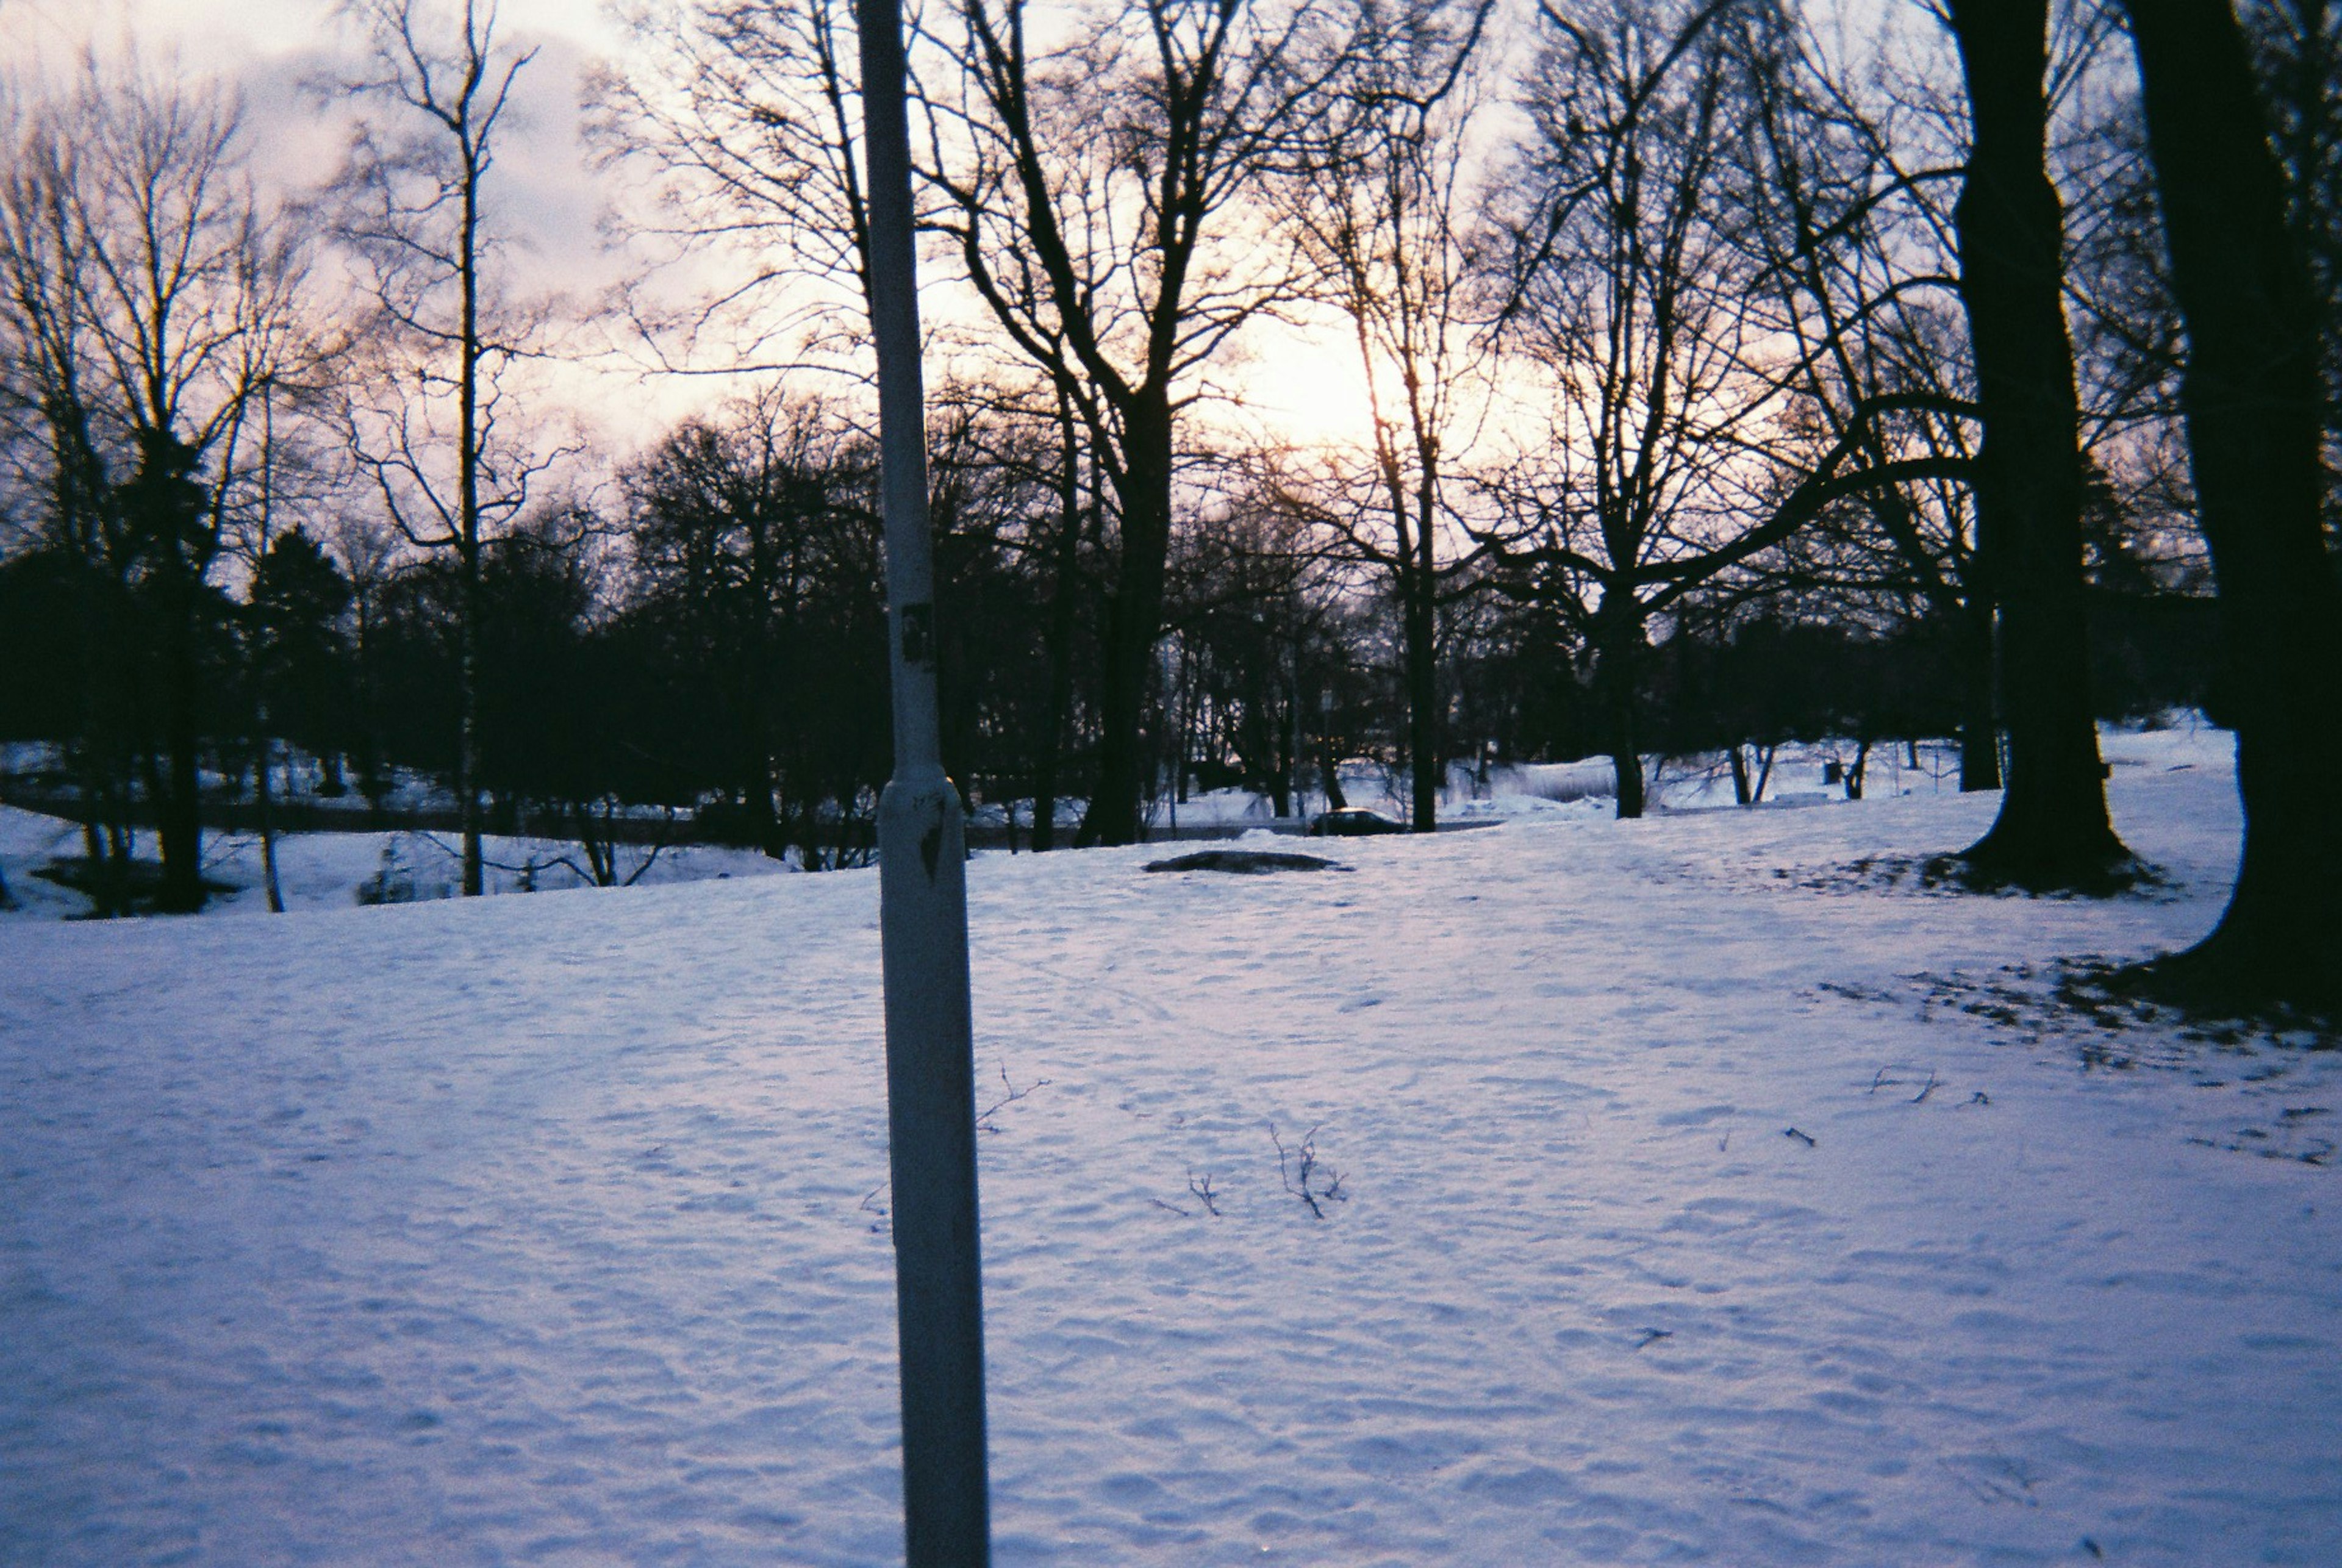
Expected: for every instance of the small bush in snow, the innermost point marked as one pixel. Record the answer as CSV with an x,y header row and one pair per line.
x,y
394,883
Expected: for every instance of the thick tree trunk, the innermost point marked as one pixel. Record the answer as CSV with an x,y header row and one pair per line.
x,y
1980,688
467,738
1057,636
93,724
756,802
2251,395
1059,640
1422,698
1132,620
165,504
180,821
753,706
79,482
1183,728
1282,798
2053,829
467,507
1418,589
1329,775
263,817
100,832
1618,660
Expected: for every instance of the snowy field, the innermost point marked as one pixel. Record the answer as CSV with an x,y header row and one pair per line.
x,y
553,1229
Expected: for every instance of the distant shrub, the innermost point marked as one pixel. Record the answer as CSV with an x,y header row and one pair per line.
x,y
393,883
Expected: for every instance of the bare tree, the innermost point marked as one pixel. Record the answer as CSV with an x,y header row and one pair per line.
x,y
166,308
52,386
1389,226
1849,188
751,112
1093,192
417,208
1679,450
732,516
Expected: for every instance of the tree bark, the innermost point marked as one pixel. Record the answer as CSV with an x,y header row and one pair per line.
x,y
1979,691
1419,585
180,821
1289,725
2053,828
1329,768
468,480
467,736
1058,637
1133,618
2251,397
1617,654
1057,633
263,817
165,504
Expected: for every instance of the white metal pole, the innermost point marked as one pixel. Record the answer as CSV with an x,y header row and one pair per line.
x,y
923,905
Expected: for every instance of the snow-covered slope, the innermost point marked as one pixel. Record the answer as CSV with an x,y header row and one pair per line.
x,y
552,1229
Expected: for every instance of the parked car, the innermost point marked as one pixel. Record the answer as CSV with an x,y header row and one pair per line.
x,y
1352,822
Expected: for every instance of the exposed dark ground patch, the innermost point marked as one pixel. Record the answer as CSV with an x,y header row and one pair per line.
x,y
1949,876
1244,862
2083,1006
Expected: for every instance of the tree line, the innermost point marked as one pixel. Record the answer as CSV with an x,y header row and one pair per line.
x,y
1731,369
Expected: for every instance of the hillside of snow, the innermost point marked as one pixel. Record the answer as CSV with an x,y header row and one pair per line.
x,y
1690,1190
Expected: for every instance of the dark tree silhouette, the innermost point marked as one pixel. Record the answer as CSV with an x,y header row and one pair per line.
x,y
162,313
2254,408
2053,829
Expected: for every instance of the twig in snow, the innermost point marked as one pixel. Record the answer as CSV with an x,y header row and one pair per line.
x,y
1653,1335
1980,1098
1880,1080
1805,1138
878,1209
1305,1171
1204,1192
984,1117
1175,1208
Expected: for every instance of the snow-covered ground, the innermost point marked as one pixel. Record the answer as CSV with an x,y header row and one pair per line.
x,y
328,870
553,1229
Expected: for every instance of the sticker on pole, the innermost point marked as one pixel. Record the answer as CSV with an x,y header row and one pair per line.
x,y
918,623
